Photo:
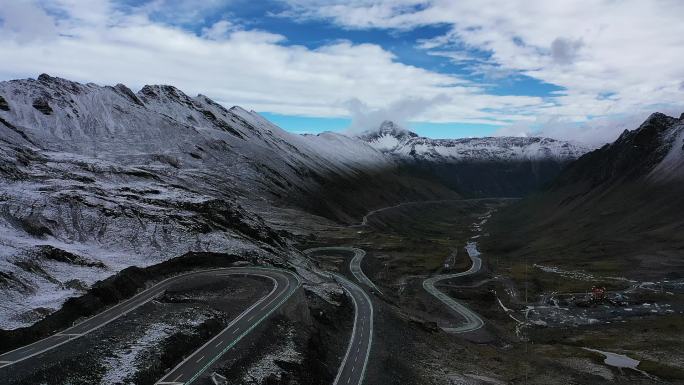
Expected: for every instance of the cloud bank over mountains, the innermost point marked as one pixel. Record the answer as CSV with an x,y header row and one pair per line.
x,y
608,60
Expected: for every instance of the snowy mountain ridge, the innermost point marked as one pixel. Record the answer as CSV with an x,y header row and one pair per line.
x,y
671,166
653,152
64,115
397,141
387,137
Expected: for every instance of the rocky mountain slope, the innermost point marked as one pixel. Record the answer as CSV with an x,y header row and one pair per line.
x,y
492,166
94,179
619,207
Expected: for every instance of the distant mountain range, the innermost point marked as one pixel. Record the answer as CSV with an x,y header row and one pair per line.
x,y
477,167
401,143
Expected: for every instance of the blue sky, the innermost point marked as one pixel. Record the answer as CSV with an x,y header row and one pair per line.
x,y
314,33
313,125
570,69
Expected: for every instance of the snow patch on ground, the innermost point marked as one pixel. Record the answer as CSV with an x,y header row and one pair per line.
x,y
123,364
37,294
619,361
267,365
578,275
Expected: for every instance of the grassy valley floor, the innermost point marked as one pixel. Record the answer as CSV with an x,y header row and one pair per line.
x,y
538,317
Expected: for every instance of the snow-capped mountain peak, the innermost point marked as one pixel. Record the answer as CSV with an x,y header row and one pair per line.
x,y
389,127
388,136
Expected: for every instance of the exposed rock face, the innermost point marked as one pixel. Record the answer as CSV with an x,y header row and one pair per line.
x,y
42,105
3,104
125,91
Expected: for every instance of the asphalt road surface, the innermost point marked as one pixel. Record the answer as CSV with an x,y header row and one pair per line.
x,y
352,371
364,220
472,320
354,265
353,368
284,284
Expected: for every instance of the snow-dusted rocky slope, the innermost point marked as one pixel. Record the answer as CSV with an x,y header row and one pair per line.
x,y
671,166
393,139
621,201
94,179
653,153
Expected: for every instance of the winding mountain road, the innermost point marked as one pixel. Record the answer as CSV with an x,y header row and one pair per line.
x,y
364,220
472,320
352,371
353,367
284,285
354,264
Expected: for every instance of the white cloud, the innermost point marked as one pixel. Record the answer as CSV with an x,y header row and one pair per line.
x,y
565,51
630,49
493,71
595,133
104,44
400,111
219,30
90,12
25,21
455,56
182,12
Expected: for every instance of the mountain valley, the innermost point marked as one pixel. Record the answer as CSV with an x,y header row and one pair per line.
x,y
107,194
